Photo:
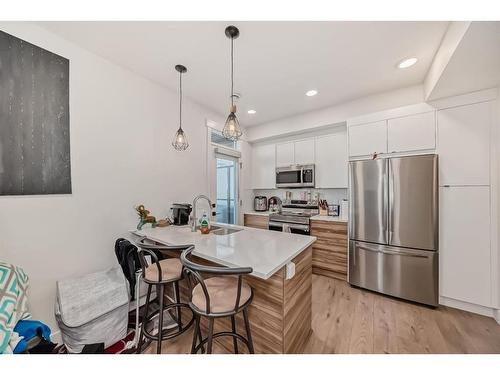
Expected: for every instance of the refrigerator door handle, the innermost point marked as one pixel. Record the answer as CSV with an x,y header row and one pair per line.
x,y
390,252
390,203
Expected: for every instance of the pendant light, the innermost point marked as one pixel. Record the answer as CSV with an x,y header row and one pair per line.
x,y
232,128
180,142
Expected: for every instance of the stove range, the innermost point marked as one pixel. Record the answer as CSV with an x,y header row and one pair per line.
x,y
294,217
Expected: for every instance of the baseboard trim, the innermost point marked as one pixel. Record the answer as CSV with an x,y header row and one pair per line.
x,y
466,306
496,315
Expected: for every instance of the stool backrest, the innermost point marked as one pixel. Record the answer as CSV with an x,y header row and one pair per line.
x,y
194,274
152,250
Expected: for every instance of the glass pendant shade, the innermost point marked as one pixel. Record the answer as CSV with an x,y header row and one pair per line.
x,y
180,141
232,128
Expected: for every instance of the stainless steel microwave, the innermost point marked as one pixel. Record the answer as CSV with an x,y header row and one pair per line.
x,y
295,176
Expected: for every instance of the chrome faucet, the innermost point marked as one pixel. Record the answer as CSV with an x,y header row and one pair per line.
x,y
193,212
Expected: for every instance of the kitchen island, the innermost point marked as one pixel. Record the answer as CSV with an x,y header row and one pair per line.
x,y
280,313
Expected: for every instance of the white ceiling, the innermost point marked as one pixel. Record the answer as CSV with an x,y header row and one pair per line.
x,y
275,62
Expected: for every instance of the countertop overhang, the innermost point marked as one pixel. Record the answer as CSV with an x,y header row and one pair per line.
x,y
264,250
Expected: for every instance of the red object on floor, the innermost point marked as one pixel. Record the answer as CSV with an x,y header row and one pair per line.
x,y
118,347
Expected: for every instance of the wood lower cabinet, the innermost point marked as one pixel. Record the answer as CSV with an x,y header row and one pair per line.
x,y
330,249
256,221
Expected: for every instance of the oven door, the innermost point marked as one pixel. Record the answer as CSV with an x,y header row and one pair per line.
x,y
289,227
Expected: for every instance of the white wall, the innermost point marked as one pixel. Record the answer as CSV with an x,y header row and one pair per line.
x,y
315,120
449,44
121,129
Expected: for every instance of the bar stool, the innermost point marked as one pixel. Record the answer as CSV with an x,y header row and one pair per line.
x,y
161,273
223,295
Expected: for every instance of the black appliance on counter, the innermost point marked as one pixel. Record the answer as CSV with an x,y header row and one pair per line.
x,y
180,213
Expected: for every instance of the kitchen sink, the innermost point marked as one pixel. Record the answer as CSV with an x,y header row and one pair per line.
x,y
223,231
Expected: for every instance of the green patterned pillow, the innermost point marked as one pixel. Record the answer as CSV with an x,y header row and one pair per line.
x,y
13,301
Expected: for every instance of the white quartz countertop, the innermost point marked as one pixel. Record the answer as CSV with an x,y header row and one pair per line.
x,y
264,250
337,219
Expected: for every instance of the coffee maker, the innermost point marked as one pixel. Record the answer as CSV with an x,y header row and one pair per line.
x,y
180,213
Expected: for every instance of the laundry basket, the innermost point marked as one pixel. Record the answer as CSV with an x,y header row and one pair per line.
x,y
92,309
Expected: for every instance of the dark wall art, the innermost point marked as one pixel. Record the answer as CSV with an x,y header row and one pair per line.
x,y
34,120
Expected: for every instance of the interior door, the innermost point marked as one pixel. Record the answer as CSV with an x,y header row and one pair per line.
x,y
413,202
368,206
227,189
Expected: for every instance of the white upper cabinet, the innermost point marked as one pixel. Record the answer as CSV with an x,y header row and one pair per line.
x,y
285,154
367,139
464,144
412,133
331,161
304,151
464,244
295,152
263,166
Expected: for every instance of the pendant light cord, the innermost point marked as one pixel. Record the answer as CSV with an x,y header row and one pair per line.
x,y
232,75
180,100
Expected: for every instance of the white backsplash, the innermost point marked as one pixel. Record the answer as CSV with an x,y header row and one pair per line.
x,y
332,196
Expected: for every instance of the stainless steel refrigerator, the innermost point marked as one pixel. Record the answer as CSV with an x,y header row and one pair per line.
x,y
393,226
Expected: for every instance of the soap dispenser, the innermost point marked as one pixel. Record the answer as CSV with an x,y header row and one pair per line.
x,y
204,224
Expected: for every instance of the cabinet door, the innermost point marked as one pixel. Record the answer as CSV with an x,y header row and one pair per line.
x,y
331,161
368,138
285,154
263,167
464,144
465,244
412,133
304,151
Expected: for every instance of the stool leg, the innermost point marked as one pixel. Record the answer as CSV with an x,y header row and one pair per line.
x,y
249,334
235,340
160,319
144,317
210,334
200,337
178,300
196,334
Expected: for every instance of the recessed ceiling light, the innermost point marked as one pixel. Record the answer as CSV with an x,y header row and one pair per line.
x,y
251,111
311,93
406,63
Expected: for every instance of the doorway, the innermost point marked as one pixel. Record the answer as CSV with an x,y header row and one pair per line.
x,y
227,189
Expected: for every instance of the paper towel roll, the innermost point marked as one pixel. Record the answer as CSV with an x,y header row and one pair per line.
x,y
344,209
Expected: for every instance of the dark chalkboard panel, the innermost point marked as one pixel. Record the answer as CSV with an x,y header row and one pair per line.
x,y
34,120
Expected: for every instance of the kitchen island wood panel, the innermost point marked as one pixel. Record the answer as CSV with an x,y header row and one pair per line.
x,y
330,249
256,221
280,314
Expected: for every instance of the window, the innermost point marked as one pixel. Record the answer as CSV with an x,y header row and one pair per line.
x,y
217,138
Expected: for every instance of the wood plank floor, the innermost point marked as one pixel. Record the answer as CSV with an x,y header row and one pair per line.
x,y
351,320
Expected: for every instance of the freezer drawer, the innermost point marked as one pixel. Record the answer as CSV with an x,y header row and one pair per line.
x,y
405,273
